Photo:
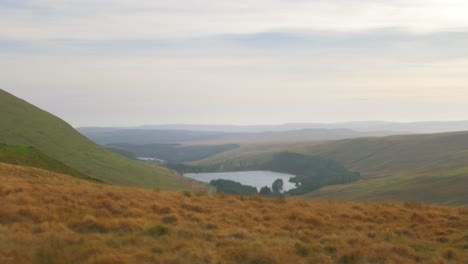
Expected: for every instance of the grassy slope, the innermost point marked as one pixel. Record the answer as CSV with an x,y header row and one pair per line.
x,y
398,155
448,188
26,125
248,154
68,220
373,157
426,168
429,168
33,157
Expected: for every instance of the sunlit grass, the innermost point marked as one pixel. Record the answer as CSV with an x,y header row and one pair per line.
x,y
52,218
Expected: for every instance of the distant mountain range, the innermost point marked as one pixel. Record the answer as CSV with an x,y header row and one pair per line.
x,y
106,136
294,132
365,126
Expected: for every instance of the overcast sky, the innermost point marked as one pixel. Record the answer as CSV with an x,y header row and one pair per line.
x,y
134,62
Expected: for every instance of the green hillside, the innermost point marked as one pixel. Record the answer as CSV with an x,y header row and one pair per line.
x,y
373,157
23,124
447,188
427,168
397,155
247,155
33,157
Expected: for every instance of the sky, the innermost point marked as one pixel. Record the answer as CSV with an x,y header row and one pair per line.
x,y
135,62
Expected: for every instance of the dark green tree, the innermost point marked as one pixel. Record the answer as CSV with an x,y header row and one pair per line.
x,y
277,186
265,191
232,187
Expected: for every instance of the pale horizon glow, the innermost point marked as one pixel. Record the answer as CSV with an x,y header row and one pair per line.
x,y
137,62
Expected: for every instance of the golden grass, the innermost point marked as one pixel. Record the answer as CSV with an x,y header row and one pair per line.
x,y
51,218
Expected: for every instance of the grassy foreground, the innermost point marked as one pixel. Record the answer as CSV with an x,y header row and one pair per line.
x,y
47,217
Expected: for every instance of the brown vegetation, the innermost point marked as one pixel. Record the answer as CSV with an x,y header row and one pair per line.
x,y
51,218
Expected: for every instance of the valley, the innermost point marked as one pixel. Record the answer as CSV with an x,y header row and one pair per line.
x,y
395,199
233,132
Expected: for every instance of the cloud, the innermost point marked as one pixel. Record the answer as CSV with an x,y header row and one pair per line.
x,y
393,44
138,19
265,61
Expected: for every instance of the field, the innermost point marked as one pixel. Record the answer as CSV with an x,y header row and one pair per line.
x,y
47,217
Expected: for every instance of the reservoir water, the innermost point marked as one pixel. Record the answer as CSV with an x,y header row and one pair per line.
x,y
256,179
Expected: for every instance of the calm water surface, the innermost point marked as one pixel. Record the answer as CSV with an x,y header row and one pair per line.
x,y
256,179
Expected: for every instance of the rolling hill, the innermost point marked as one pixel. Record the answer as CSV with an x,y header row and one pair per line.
x,y
397,155
69,220
22,124
446,188
372,156
428,167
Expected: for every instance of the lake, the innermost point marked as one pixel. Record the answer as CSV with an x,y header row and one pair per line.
x,y
256,179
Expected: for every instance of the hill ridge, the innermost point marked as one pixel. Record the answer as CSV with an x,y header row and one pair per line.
x,y
24,124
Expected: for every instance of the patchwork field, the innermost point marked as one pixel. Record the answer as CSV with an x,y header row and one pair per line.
x,y
47,217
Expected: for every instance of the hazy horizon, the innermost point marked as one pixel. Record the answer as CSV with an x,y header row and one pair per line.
x,y
274,124
130,63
